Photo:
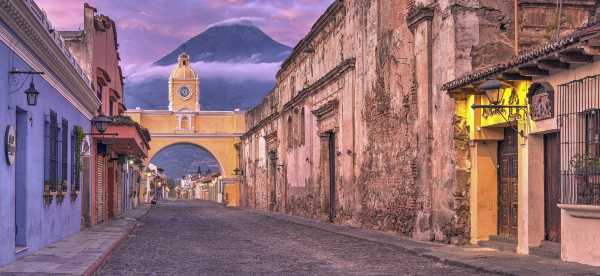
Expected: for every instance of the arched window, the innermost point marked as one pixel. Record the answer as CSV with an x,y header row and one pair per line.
x,y
290,132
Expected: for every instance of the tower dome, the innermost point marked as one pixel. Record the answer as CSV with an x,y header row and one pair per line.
x,y
184,70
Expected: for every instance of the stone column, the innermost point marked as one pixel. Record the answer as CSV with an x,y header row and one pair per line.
x,y
419,22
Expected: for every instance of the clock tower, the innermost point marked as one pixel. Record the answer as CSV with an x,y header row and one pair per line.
x,y
184,88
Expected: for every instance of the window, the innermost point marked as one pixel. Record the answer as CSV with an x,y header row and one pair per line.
x,y
302,127
591,133
52,148
65,152
290,132
76,140
292,87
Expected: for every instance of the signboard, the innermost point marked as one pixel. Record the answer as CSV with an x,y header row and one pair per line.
x,y
541,101
10,145
86,147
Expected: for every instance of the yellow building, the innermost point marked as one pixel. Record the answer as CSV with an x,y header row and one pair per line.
x,y
532,128
184,123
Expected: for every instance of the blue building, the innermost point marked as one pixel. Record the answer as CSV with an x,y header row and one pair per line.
x,y
41,168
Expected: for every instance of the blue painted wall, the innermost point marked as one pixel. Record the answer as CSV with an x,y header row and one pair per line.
x,y
44,224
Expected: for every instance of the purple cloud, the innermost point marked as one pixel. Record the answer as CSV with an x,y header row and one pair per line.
x,y
148,30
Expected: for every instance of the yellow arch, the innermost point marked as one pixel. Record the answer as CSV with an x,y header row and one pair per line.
x,y
222,149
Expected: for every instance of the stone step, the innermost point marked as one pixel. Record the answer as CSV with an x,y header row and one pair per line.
x,y
500,243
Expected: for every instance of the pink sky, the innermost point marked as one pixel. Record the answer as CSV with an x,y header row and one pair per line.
x,y
149,29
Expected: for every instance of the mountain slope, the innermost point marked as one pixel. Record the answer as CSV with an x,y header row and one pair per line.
x,y
227,44
237,43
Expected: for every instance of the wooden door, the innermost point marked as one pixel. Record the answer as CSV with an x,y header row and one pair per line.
x,y
508,184
552,186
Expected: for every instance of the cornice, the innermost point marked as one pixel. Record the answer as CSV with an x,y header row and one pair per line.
x,y
419,14
151,112
195,135
323,21
260,124
334,74
326,109
45,51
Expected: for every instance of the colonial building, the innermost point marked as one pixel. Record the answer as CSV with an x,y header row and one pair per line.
x,y
185,123
535,118
118,147
47,104
358,130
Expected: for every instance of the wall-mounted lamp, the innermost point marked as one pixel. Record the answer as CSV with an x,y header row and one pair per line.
x,y
31,92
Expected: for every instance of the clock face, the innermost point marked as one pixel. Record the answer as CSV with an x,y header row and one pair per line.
x,y
184,92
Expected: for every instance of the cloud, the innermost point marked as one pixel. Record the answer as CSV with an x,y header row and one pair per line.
x,y
245,20
211,70
148,30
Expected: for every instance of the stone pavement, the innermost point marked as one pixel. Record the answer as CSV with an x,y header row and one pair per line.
x,y
79,254
480,258
203,238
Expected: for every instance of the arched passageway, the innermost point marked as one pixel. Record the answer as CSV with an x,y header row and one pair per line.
x,y
181,159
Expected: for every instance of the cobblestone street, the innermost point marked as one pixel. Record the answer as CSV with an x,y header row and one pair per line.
x,y
193,237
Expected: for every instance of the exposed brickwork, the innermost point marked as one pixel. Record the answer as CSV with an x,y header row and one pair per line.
x,y
370,72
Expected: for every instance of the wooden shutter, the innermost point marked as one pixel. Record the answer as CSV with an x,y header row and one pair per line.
x,y
100,188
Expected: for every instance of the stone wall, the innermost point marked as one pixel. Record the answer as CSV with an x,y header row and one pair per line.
x,y
369,74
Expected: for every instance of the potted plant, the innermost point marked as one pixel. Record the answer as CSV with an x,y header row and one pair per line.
x,y
48,194
586,170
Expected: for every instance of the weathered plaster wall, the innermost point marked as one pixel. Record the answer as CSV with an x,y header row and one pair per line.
x,y
402,153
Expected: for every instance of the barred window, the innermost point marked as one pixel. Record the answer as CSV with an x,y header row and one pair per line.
x,y
65,153
75,159
591,133
53,152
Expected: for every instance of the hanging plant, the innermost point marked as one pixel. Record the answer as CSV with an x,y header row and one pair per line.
x,y
79,136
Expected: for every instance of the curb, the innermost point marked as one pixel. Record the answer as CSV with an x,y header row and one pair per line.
x,y
92,270
314,224
97,265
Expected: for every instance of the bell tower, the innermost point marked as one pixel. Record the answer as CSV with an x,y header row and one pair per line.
x,y
184,87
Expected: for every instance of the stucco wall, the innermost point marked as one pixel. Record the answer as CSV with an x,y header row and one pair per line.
x,y
44,224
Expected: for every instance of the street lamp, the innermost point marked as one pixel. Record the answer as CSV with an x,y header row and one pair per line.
x,y
492,87
101,123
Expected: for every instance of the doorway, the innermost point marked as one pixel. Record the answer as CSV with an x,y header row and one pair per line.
x,y
552,187
21,181
508,184
331,169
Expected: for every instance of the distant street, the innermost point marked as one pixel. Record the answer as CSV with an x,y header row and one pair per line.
x,y
202,238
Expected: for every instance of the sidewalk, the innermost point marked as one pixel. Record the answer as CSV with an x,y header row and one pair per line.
x,y
480,258
79,254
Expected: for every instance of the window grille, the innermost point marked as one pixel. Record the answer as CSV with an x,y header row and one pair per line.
x,y
53,152
75,160
579,123
65,153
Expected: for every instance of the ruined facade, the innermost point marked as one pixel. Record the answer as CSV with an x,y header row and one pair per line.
x,y
357,129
